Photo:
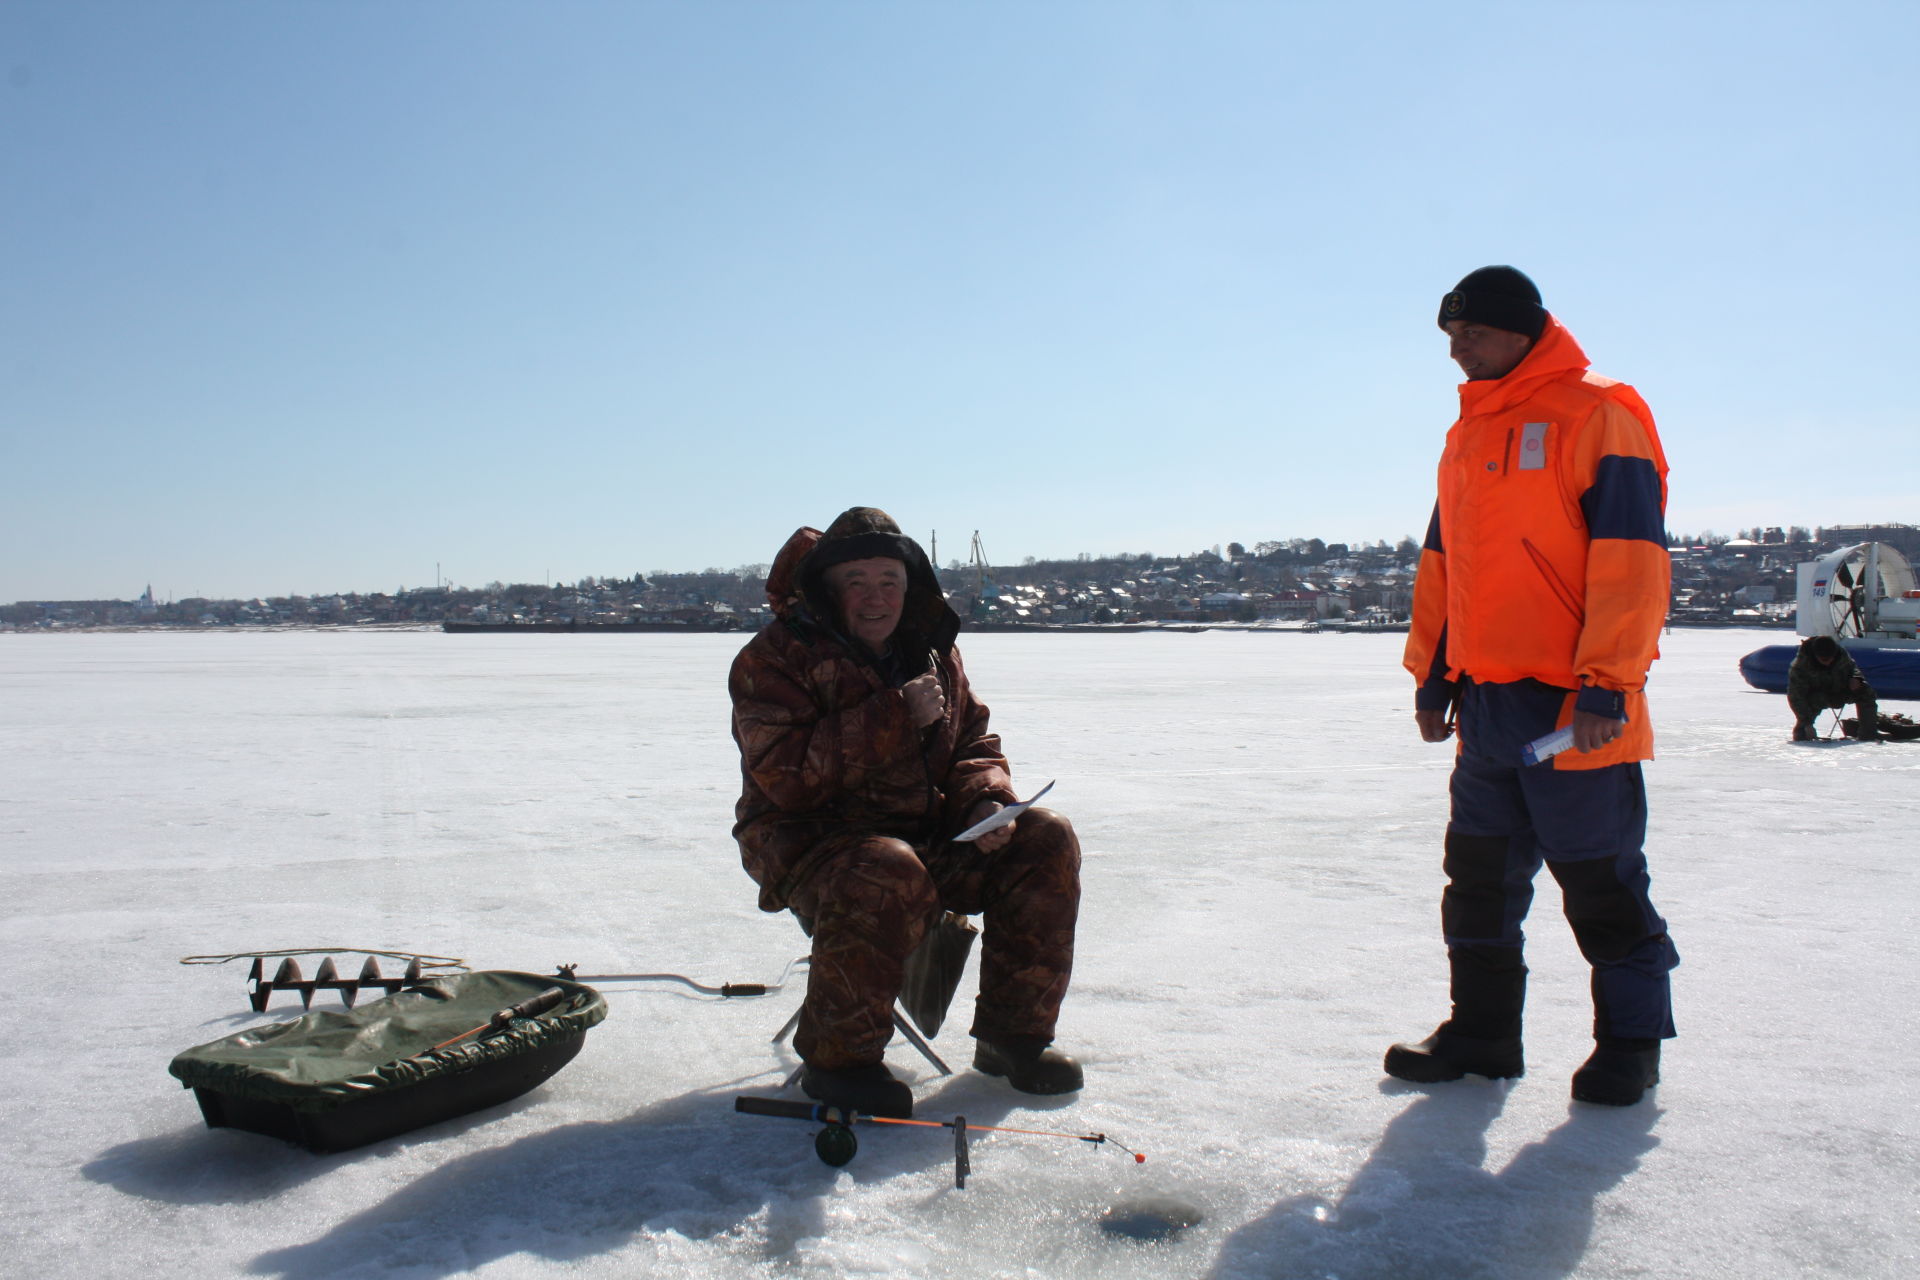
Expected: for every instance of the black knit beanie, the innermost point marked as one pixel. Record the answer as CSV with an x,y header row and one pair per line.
x,y
1502,297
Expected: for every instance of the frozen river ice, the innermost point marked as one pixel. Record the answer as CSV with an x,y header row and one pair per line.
x,y
1262,831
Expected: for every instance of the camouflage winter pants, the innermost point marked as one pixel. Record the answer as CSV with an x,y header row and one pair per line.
x,y
1808,706
873,901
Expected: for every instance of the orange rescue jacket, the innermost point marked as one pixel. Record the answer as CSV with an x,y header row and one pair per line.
x,y
1546,558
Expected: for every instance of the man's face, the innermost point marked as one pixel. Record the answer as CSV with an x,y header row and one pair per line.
x,y
1483,352
870,594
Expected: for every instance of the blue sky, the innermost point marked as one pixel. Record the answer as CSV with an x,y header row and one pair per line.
x,y
306,297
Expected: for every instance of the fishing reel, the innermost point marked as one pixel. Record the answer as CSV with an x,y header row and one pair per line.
x,y
836,1144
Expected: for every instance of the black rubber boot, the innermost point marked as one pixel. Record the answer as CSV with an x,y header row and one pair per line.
x,y
1618,1072
1482,1038
1028,1064
1802,731
870,1091
1488,986
1445,1056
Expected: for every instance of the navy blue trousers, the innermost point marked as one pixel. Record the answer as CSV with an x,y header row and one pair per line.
x,y
1589,827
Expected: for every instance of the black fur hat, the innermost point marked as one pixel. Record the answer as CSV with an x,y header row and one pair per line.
x,y
864,533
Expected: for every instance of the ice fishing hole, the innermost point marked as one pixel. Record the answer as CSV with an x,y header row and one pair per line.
x,y
1153,1219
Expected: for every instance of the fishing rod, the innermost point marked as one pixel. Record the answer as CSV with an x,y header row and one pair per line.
x,y
836,1144
531,1007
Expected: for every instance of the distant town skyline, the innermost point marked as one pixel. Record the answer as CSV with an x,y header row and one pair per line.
x,y
1905,536
309,295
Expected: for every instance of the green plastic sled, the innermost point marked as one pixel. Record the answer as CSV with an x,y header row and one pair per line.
x,y
338,1079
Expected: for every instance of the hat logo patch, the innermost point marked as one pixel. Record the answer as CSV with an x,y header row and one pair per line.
x,y
1453,304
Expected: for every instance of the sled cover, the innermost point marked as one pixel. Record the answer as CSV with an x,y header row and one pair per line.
x,y
323,1060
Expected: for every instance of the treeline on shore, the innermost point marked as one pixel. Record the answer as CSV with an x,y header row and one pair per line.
x,y
1749,578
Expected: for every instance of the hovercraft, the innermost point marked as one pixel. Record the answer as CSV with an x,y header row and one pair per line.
x,y
1866,597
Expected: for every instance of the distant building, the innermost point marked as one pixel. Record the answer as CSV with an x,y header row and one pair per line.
x,y
1904,538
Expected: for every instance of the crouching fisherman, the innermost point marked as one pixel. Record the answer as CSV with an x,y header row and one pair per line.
x,y
1824,676
863,752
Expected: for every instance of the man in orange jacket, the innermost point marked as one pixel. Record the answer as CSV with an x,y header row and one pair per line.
x,y
1542,588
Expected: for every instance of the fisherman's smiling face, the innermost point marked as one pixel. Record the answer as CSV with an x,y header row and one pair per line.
x,y
870,594
1483,352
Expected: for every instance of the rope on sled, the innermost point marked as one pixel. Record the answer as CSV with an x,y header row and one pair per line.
x,y
426,961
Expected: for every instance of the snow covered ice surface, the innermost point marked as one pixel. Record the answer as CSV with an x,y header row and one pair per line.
x,y
1262,832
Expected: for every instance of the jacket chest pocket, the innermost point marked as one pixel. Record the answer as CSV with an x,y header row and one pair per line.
x,y
1533,458
1499,451
1501,454
1532,452
1537,447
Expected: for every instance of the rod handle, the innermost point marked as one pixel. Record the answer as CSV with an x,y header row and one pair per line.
x,y
532,1007
787,1110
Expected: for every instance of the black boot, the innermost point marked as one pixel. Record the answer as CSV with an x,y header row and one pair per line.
x,y
1618,1072
1446,1056
1489,989
1802,731
870,1091
1028,1064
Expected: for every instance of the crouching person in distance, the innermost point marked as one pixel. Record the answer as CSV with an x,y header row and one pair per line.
x,y
862,753
1823,676
1537,607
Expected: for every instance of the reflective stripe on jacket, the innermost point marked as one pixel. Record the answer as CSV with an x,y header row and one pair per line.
x,y
1546,558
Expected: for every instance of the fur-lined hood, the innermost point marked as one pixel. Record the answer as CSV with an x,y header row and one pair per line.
x,y
797,589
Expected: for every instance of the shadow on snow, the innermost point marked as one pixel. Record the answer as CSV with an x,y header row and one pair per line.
x,y
1424,1204
689,1166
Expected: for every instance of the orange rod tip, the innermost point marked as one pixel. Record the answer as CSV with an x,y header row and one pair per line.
x,y
1138,1158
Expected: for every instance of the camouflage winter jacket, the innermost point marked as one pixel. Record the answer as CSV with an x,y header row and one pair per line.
x,y
828,753
1819,684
